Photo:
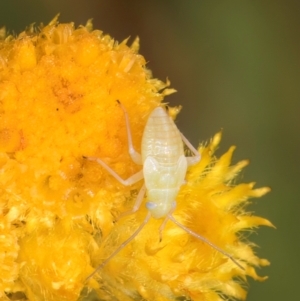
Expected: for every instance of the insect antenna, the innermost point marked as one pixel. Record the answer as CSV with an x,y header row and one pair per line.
x,y
123,245
198,236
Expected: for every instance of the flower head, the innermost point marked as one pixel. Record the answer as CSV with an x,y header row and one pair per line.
x,y
58,92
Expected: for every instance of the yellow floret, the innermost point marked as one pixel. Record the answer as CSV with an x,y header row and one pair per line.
x,y
59,88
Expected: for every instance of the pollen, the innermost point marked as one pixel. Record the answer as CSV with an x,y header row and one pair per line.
x,y
59,213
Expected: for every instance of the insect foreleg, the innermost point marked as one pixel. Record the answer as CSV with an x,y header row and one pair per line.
x,y
135,156
123,245
126,182
198,236
194,159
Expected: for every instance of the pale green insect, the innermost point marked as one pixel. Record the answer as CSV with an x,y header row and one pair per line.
x,y
164,170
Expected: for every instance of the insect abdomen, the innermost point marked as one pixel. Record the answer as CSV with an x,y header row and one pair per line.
x,y
161,138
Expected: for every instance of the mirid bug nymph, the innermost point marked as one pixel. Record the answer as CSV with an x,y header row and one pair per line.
x,y
164,170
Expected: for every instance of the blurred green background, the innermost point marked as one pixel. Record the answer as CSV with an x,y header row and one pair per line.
x,y
236,66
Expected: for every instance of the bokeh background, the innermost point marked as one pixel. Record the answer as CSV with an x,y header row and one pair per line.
x,y
236,66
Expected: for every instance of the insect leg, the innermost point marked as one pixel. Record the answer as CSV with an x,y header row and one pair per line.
x,y
194,159
198,236
126,182
162,226
123,245
137,203
135,156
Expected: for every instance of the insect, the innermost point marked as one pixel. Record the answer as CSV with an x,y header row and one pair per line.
x,y
164,170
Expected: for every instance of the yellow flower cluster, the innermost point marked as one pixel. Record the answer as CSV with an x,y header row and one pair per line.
x,y
58,211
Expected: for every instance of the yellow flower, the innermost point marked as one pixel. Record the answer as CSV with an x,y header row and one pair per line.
x,y
58,92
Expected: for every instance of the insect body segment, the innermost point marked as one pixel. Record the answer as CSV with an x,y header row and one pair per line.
x,y
161,139
163,184
164,170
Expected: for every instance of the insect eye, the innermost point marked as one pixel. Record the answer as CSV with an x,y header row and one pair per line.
x,y
151,205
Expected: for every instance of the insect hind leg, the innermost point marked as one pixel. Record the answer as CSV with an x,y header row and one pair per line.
x,y
163,225
198,236
123,245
